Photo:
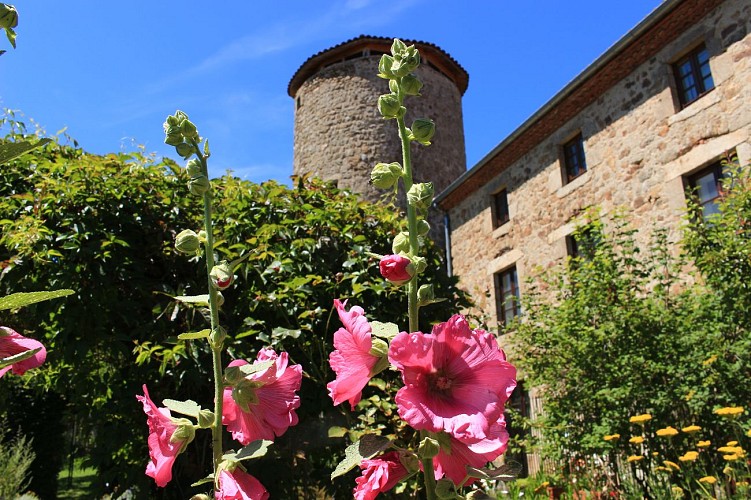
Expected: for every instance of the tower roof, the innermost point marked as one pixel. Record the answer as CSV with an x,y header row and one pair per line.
x,y
431,55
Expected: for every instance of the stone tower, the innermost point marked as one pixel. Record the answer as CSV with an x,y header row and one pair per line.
x,y
339,134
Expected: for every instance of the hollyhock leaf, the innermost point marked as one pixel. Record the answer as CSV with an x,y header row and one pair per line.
x,y
256,367
506,472
478,473
256,449
207,479
367,447
21,299
189,407
18,357
384,330
195,335
12,150
337,431
201,300
444,489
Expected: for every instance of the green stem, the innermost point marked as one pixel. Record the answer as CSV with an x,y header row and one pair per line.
x,y
428,473
216,429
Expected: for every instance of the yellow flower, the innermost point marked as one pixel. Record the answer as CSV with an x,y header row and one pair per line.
x,y
709,360
730,449
677,490
612,437
731,458
672,464
741,484
663,469
703,444
708,479
732,443
635,458
667,432
691,428
748,433
728,471
729,411
640,419
636,440
689,456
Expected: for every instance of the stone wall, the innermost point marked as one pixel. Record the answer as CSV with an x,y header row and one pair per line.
x,y
639,146
340,136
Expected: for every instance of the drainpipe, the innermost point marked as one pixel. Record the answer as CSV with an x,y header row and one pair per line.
x,y
447,239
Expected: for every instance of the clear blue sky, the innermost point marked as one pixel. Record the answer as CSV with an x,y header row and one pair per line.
x,y
112,71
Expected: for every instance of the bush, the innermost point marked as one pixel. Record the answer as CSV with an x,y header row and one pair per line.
x,y
16,457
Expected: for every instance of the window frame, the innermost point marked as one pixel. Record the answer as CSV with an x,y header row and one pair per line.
x,y
718,171
574,159
692,58
502,297
501,214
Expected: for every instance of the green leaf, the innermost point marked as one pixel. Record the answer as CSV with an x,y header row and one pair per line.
x,y
384,330
201,300
18,357
337,431
12,150
21,299
195,335
256,449
189,407
367,447
281,333
207,479
252,368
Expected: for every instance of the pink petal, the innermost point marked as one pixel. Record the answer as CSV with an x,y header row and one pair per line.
x,y
12,343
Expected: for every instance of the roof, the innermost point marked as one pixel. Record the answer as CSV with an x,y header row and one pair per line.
x,y
660,27
430,53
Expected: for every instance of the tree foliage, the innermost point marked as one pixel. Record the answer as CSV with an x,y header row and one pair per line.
x,y
104,226
622,331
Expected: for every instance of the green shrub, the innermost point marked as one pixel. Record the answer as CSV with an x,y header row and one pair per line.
x,y
16,457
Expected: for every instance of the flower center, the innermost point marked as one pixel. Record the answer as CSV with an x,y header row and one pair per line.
x,y
440,382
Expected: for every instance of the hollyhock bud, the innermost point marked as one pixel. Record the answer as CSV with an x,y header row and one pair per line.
x,y
411,58
187,242
173,139
389,106
386,175
221,275
217,336
194,168
199,185
423,130
384,66
401,243
422,227
396,268
188,129
206,418
428,448
379,348
397,47
185,150
8,16
425,294
420,195
394,86
411,85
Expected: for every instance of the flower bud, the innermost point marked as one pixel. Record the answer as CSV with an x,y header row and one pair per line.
x,y
379,348
206,419
173,139
423,227
8,16
185,150
410,58
194,168
217,336
425,294
219,299
410,462
401,243
389,106
411,85
394,86
386,175
423,130
420,195
184,433
384,66
187,242
428,448
188,129
419,264
397,47
221,275
396,268
199,185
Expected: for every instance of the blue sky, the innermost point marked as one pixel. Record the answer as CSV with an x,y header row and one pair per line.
x,y
112,71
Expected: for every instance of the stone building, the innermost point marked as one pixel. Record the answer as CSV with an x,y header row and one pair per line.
x,y
649,118
339,134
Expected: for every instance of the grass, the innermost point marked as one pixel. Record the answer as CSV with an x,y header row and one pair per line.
x,y
78,485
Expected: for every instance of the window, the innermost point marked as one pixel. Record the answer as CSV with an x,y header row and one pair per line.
x,y
706,187
573,158
500,208
507,295
583,243
693,77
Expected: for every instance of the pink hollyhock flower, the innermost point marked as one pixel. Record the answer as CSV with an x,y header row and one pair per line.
x,y
456,380
12,343
351,360
262,405
395,268
239,485
162,450
453,458
379,475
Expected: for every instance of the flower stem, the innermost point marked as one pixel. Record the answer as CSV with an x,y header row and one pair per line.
x,y
428,474
216,429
